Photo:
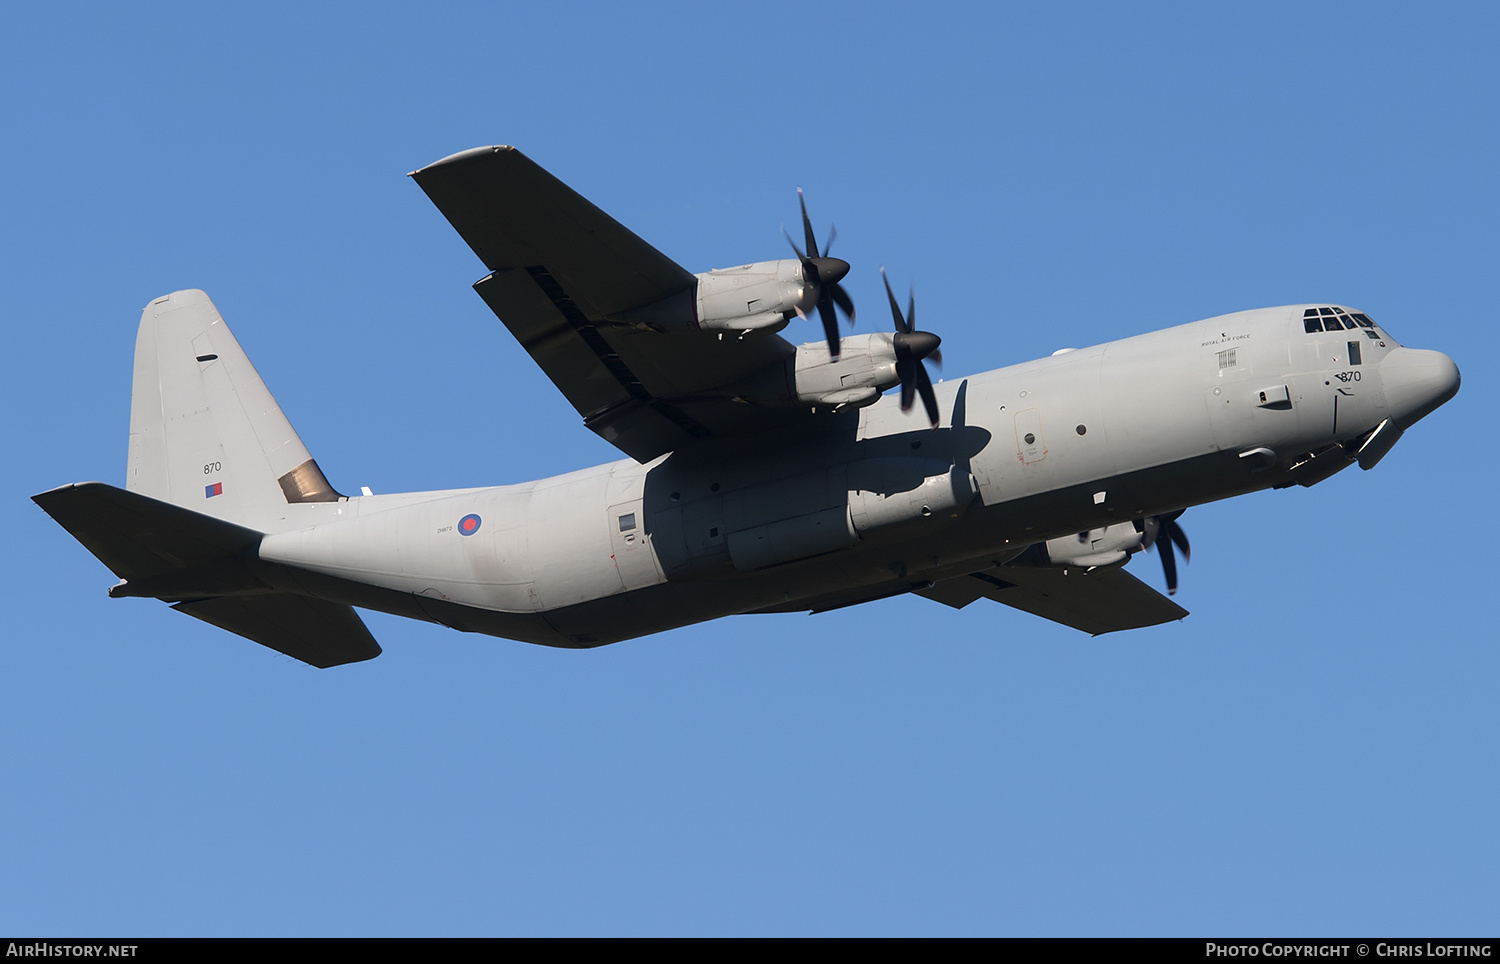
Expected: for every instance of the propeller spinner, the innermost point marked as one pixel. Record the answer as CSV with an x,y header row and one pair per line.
x,y
822,275
912,347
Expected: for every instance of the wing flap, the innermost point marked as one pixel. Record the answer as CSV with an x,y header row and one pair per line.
x,y
1101,601
577,370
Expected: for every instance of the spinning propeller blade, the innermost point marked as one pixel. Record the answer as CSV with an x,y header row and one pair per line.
x,y
1154,529
822,275
912,347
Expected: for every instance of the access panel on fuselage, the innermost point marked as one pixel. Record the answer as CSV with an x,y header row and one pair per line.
x,y
630,536
1047,425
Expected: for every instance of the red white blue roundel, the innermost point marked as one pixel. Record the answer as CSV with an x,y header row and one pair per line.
x,y
468,525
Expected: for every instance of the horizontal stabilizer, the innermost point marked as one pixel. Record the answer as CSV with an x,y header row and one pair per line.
x,y
172,553
321,633
139,537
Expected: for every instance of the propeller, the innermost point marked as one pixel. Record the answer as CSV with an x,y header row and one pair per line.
x,y
912,347
1157,526
822,275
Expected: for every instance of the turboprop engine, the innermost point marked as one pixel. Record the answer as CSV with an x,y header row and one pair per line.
x,y
1112,545
762,296
758,297
1109,546
754,296
866,368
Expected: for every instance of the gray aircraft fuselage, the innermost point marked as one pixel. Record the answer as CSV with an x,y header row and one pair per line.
x,y
869,502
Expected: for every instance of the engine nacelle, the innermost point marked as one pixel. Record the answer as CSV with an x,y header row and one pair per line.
x,y
892,491
865,368
749,297
1110,546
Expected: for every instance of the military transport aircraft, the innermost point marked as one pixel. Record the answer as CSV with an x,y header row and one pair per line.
x,y
761,476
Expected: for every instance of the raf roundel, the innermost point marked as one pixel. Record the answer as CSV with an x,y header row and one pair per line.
x,y
468,525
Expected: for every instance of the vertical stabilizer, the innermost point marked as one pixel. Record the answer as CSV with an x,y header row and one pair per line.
x,y
205,432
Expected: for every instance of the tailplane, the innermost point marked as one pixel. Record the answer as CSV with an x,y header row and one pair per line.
x,y
207,568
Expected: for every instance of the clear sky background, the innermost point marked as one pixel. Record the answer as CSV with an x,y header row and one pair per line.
x,y
1312,752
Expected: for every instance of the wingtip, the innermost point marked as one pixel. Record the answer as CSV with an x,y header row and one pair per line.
x,y
469,154
40,496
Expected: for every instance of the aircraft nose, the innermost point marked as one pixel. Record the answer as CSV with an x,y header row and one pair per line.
x,y
1416,382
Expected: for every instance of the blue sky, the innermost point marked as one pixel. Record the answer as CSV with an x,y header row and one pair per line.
x,y
1312,752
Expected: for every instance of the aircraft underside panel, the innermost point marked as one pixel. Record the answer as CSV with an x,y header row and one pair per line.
x,y
787,540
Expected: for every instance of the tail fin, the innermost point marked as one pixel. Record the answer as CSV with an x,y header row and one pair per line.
x,y
205,433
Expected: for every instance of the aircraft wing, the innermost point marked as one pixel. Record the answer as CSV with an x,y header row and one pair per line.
x,y
1102,601
560,267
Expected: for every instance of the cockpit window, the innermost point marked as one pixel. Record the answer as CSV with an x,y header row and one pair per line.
x,y
1333,318
1330,321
